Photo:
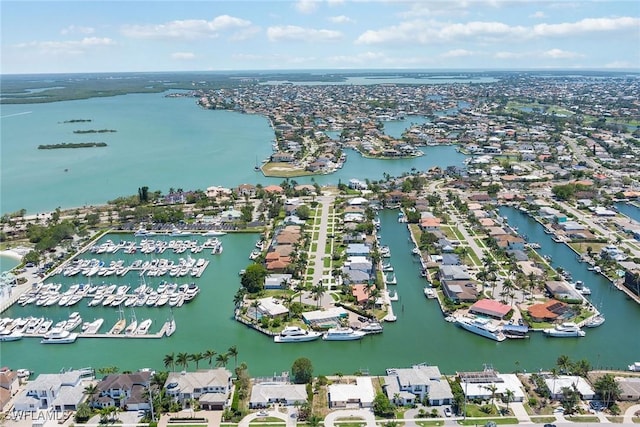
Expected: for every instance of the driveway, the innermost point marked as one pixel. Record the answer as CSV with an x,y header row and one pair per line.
x,y
364,414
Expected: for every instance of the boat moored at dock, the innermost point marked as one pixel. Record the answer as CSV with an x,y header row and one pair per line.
x,y
342,334
566,329
296,334
481,326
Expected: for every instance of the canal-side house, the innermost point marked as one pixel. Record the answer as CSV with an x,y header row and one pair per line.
x,y
562,291
556,384
58,392
478,385
123,391
409,386
357,393
9,384
265,394
211,387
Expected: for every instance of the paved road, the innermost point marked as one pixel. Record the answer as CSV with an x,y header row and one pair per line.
x,y
318,257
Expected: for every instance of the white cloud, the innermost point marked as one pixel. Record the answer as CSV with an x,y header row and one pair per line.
x,y
180,56
457,53
341,19
306,6
68,47
561,54
362,58
538,15
589,25
76,29
293,32
335,2
188,29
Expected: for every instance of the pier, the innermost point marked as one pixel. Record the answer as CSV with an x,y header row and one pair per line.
x,y
155,335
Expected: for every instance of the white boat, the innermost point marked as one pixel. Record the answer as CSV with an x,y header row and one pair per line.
x,y
73,322
372,328
143,327
92,327
296,334
595,321
390,278
566,329
6,335
481,326
59,336
214,233
429,292
580,287
23,373
171,327
342,334
635,367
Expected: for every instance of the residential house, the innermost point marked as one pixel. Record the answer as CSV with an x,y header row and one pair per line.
x,y
358,249
478,385
58,392
359,393
491,308
556,384
211,387
408,386
246,190
264,394
123,391
562,291
460,290
277,281
9,383
548,311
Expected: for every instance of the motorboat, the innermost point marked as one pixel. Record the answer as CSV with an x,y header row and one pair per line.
x,y
73,322
372,328
59,336
565,329
635,367
512,331
342,334
92,327
429,292
6,335
214,233
143,327
481,326
595,321
296,334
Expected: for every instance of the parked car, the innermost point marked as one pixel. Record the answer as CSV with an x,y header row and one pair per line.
x,y
447,412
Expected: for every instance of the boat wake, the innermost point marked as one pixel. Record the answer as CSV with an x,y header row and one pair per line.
x,y
16,114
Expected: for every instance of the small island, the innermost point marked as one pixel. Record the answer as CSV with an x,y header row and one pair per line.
x,y
71,145
77,121
94,131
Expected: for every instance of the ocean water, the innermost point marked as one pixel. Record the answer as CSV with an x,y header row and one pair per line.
x,y
159,142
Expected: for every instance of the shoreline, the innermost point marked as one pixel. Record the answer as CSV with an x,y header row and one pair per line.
x,y
13,254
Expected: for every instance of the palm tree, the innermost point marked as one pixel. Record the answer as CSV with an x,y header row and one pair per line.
x,y
554,375
182,359
90,391
563,363
170,361
196,357
209,355
233,351
492,388
255,304
222,359
238,297
509,394
288,299
318,292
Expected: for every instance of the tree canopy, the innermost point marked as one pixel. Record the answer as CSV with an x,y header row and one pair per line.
x,y
302,371
253,278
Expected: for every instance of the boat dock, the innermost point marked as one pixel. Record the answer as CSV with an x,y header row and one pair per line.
x,y
156,335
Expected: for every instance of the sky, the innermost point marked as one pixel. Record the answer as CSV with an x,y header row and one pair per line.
x,y
217,35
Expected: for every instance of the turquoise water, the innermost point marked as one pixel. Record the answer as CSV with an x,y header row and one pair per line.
x,y
160,142
419,335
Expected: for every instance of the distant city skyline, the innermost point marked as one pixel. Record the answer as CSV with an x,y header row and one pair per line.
x,y
138,36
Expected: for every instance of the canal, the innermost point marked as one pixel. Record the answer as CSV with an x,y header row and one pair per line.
x,y
420,333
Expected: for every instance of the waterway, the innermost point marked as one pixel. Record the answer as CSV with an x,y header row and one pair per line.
x,y
159,142
419,335
629,210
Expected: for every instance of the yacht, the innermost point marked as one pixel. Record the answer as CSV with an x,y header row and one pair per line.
x,y
372,328
634,367
92,327
74,321
143,327
6,335
171,327
566,329
296,334
214,233
429,292
481,326
342,334
59,336
512,331
595,321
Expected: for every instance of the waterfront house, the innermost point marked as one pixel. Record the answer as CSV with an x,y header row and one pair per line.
x,y
58,392
265,394
491,308
451,259
358,249
430,224
9,384
629,388
270,307
211,387
548,311
282,157
357,393
277,281
478,385
562,291
361,293
453,272
460,290
331,315
557,384
246,190
409,386
123,391
273,189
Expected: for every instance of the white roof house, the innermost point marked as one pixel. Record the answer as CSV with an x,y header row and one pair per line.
x,y
60,392
360,394
266,393
413,384
183,386
272,307
478,388
569,381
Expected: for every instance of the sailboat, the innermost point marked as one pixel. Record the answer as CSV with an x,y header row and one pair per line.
x,y
120,324
171,326
131,328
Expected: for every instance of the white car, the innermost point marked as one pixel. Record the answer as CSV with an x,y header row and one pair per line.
x,y
447,412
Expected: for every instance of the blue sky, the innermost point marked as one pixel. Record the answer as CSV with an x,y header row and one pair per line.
x,y
107,36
